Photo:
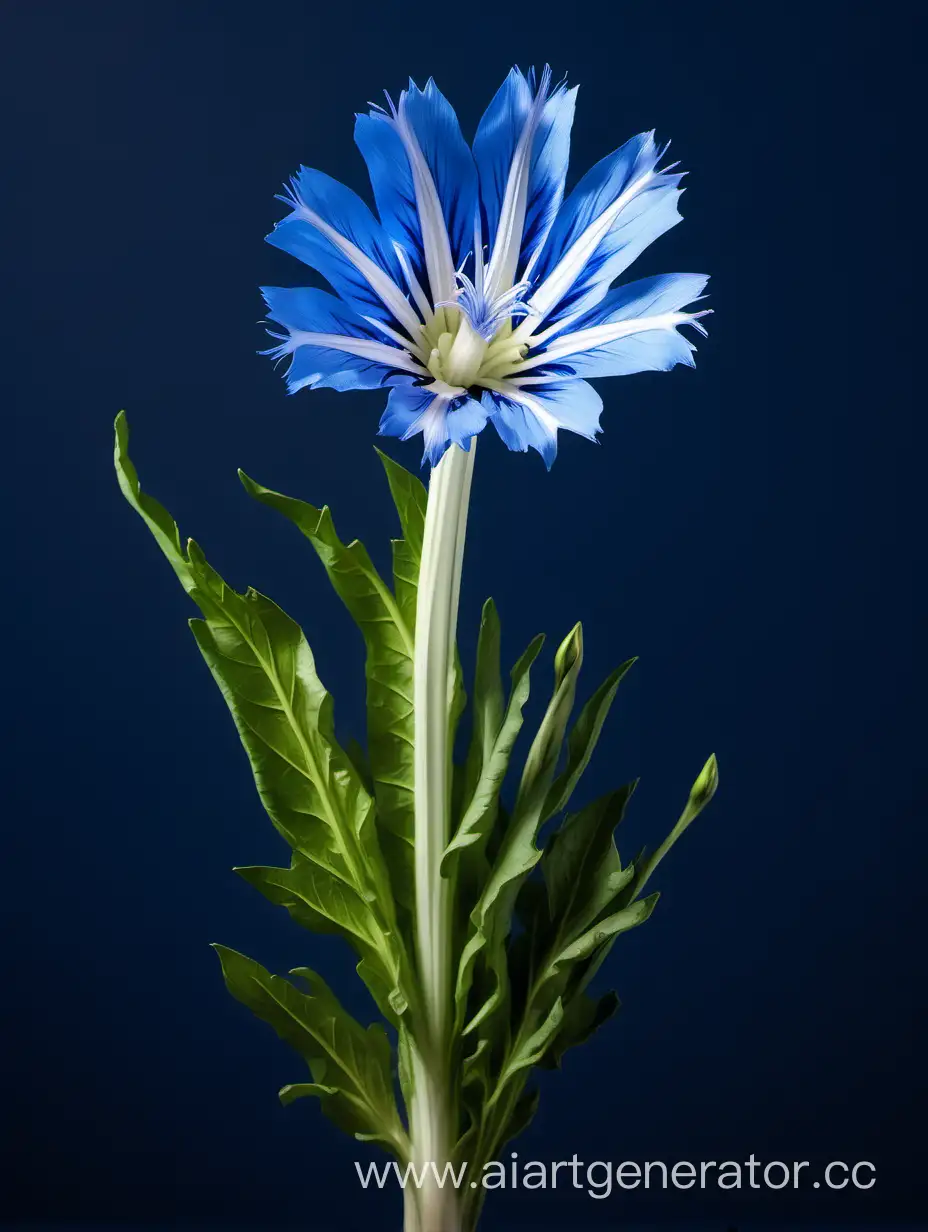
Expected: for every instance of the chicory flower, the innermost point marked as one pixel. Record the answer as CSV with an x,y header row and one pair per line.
x,y
482,294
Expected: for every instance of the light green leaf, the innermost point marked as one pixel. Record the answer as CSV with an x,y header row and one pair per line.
x,y
265,670
619,922
531,1051
320,902
410,497
701,793
351,1066
388,637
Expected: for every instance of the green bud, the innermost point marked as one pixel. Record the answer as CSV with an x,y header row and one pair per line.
x,y
569,654
704,788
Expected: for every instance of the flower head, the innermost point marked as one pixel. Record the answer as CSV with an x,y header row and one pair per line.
x,y
482,294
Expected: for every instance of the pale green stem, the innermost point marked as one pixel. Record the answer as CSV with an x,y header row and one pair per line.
x,y
432,1114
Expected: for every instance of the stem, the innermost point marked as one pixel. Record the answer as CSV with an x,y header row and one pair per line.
x,y
433,1119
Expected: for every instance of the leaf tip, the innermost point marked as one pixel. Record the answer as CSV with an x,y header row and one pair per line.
x,y
247,482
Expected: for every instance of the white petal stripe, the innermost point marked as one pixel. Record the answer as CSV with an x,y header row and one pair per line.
x,y
508,242
435,242
513,391
601,335
570,266
382,284
377,352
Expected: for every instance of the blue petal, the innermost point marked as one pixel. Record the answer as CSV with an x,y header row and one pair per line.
x,y
346,213
642,220
574,404
495,144
392,184
654,350
442,421
449,160
518,429
646,297
317,367
316,311
569,404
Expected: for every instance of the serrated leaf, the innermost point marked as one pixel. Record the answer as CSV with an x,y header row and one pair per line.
x,y
320,902
351,1066
388,637
266,672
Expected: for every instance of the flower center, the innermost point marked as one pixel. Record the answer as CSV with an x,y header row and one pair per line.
x,y
462,355
456,354
459,356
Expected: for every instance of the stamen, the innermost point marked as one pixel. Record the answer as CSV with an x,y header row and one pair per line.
x,y
487,315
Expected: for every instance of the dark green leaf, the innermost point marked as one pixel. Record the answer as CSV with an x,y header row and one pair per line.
x,y
582,741
581,867
494,735
492,917
582,1017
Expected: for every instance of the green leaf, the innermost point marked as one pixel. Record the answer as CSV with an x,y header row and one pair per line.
x,y
265,670
582,740
581,868
604,930
388,637
355,753
351,1067
531,1051
522,1115
318,901
159,521
494,735
583,1015
701,793
410,498
491,918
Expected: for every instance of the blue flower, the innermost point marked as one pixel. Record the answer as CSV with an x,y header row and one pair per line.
x,y
482,294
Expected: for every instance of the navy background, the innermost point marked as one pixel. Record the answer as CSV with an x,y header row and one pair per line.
x,y
750,529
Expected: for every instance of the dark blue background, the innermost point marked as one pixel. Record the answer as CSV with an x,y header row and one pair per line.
x,y
750,529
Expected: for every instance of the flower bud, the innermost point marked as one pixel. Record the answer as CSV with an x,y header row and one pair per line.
x,y
705,786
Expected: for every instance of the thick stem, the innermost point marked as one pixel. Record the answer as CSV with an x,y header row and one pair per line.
x,y
433,1113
